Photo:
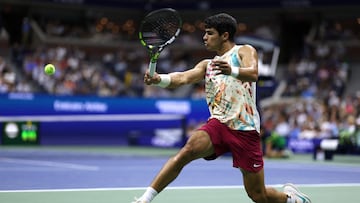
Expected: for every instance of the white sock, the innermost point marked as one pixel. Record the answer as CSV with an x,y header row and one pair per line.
x,y
149,194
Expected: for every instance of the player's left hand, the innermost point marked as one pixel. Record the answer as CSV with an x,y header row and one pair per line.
x,y
221,67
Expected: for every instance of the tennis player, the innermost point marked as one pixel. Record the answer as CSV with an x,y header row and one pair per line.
x,y
234,124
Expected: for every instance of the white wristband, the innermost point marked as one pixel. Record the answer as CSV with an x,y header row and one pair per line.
x,y
235,71
165,80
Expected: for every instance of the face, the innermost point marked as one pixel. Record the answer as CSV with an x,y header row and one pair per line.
x,y
212,39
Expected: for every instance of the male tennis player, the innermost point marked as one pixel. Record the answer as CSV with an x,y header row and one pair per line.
x,y
234,124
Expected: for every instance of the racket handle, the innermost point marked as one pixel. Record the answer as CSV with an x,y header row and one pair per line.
x,y
152,68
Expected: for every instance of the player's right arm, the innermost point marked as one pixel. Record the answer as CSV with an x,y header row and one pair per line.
x,y
177,79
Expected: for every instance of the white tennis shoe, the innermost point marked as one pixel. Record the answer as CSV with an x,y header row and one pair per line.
x,y
294,192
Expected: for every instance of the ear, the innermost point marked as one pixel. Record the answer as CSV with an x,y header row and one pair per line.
x,y
225,36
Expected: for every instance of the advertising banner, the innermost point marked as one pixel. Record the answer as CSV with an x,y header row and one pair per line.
x,y
77,120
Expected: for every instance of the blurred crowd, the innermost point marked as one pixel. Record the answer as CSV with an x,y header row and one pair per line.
x,y
317,76
111,74
308,119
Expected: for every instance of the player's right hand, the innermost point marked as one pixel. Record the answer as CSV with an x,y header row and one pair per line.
x,y
155,79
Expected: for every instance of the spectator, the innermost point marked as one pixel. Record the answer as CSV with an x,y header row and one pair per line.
x,y
347,133
276,143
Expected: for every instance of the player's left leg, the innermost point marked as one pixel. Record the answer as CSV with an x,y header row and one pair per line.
x,y
256,190
295,195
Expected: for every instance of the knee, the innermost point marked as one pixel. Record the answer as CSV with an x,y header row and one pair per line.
x,y
199,145
188,152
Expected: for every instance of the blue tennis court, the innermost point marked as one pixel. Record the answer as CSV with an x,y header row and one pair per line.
x,y
117,174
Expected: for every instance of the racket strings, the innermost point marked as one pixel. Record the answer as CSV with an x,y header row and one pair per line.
x,y
160,28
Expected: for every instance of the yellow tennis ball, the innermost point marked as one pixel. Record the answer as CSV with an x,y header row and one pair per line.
x,y
49,69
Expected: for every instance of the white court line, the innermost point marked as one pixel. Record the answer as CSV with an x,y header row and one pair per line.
x,y
50,163
179,188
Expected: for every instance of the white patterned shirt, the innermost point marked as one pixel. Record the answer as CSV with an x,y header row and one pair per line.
x,y
230,100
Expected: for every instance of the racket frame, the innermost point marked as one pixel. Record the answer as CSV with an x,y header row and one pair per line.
x,y
154,51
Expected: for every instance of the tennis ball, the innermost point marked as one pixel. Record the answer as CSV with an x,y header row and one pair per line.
x,y
49,69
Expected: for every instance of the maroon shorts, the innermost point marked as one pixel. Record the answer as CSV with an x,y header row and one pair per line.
x,y
245,146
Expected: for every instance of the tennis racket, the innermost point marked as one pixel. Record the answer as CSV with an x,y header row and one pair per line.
x,y
158,29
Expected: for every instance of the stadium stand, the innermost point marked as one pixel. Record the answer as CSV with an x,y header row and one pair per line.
x,y
96,52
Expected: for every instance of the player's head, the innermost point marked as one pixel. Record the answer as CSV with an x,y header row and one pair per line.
x,y
222,22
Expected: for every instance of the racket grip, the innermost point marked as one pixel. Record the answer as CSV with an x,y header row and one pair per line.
x,y
152,68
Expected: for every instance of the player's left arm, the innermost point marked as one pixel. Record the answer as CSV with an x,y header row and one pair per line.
x,y
248,72
249,69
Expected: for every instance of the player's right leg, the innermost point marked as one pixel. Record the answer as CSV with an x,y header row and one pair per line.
x,y
199,145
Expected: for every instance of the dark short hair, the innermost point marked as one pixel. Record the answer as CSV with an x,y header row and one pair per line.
x,y
222,22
